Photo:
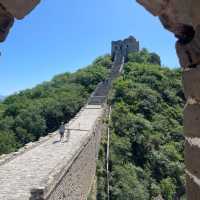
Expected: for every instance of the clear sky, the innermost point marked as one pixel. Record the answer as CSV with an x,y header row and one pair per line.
x,y
60,36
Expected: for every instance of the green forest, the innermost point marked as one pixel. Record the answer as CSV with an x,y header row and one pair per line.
x,y
32,113
147,142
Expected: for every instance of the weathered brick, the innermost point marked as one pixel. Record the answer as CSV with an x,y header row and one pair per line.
x,y
193,187
191,83
182,55
195,12
189,53
6,22
192,155
154,6
19,8
192,120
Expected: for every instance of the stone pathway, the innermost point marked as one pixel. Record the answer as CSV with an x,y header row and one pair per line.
x,y
29,170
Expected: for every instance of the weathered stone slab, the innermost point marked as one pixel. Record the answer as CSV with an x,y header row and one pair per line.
x,y
184,59
192,155
122,48
191,83
6,22
189,53
19,8
193,187
171,12
192,120
183,19
194,12
154,6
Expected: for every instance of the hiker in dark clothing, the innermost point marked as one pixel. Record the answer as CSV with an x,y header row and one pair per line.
x,y
62,131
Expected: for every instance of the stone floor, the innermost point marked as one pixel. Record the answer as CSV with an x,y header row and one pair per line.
x,y
30,169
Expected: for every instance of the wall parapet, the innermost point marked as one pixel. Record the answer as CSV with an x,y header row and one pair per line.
x,y
29,146
63,168
50,169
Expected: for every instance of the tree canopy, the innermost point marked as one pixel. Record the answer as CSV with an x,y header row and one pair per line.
x,y
147,142
32,113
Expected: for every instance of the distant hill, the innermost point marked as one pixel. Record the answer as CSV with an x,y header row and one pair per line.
x,y
2,97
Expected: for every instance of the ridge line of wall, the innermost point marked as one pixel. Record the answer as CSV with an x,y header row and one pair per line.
x,y
56,176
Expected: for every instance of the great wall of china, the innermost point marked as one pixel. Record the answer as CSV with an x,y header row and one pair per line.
x,y
182,19
51,170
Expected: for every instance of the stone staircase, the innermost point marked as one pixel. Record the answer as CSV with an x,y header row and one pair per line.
x,y
100,94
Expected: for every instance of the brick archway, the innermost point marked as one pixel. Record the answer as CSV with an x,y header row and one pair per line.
x,y
183,19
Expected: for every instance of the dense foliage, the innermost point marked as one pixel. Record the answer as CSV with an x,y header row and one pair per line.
x,y
32,113
146,158
146,155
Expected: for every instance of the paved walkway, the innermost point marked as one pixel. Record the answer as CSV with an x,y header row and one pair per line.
x,y
28,170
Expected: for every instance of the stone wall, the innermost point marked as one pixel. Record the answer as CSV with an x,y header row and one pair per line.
x,y
122,48
99,96
52,170
73,181
11,9
183,19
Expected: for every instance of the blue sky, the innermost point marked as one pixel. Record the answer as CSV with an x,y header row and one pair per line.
x,y
66,35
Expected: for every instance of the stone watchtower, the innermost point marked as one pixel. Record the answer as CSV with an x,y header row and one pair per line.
x,y
122,48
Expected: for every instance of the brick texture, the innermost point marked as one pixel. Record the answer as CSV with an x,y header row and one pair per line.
x,y
193,187
192,120
192,155
191,83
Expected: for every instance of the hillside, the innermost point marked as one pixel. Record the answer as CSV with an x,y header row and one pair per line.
x,y
32,113
146,156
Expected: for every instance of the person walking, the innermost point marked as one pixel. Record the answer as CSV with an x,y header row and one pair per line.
x,y
62,131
